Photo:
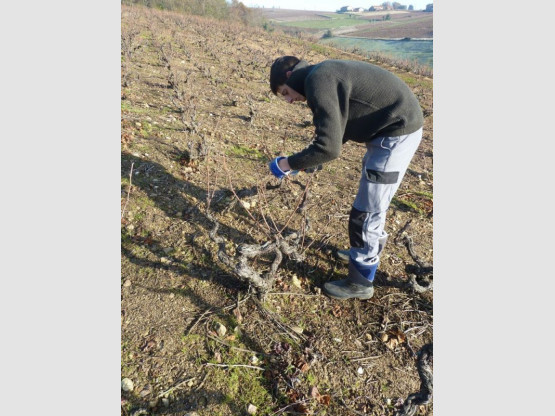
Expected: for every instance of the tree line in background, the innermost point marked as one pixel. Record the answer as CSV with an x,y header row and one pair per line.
x,y
220,9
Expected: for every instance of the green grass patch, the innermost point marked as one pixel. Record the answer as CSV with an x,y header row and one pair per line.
x,y
240,386
146,129
126,106
406,205
427,84
243,151
410,81
146,35
319,48
143,202
243,386
425,194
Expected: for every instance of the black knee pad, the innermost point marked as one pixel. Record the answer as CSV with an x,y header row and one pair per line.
x,y
356,221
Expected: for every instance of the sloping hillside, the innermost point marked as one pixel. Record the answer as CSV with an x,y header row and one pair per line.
x,y
198,128
394,24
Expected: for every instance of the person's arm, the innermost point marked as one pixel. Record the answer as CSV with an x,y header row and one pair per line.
x,y
330,108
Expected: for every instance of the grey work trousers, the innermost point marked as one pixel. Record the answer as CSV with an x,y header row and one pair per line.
x,y
383,168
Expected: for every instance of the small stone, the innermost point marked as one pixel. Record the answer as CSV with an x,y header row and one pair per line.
x,y
220,329
337,339
251,409
297,329
254,360
245,204
165,402
360,370
127,283
126,384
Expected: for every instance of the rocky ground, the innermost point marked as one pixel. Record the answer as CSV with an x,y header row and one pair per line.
x,y
198,128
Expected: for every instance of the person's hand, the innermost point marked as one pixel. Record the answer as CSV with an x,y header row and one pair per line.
x,y
276,170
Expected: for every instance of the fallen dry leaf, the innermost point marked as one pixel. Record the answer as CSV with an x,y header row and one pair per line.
x,y
325,399
393,337
303,366
336,311
293,395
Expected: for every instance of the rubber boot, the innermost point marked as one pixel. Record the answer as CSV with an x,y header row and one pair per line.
x,y
344,255
358,283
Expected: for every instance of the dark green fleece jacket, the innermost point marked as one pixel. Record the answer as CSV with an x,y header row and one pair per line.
x,y
351,100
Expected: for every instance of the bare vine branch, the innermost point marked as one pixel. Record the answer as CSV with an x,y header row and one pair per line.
x,y
424,396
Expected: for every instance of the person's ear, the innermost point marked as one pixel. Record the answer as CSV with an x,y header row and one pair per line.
x,y
288,74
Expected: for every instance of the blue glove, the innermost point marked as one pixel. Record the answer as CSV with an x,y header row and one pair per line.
x,y
276,170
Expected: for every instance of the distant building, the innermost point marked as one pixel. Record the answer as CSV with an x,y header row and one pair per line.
x,y
358,9
346,9
375,8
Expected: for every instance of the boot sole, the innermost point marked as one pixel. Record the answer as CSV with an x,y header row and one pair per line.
x,y
361,297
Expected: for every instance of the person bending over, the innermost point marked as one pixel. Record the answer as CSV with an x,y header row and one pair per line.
x,y
358,101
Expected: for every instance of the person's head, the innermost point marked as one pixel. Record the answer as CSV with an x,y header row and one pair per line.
x,y
279,73
279,70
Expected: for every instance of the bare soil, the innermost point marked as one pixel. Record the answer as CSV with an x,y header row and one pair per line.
x,y
198,120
